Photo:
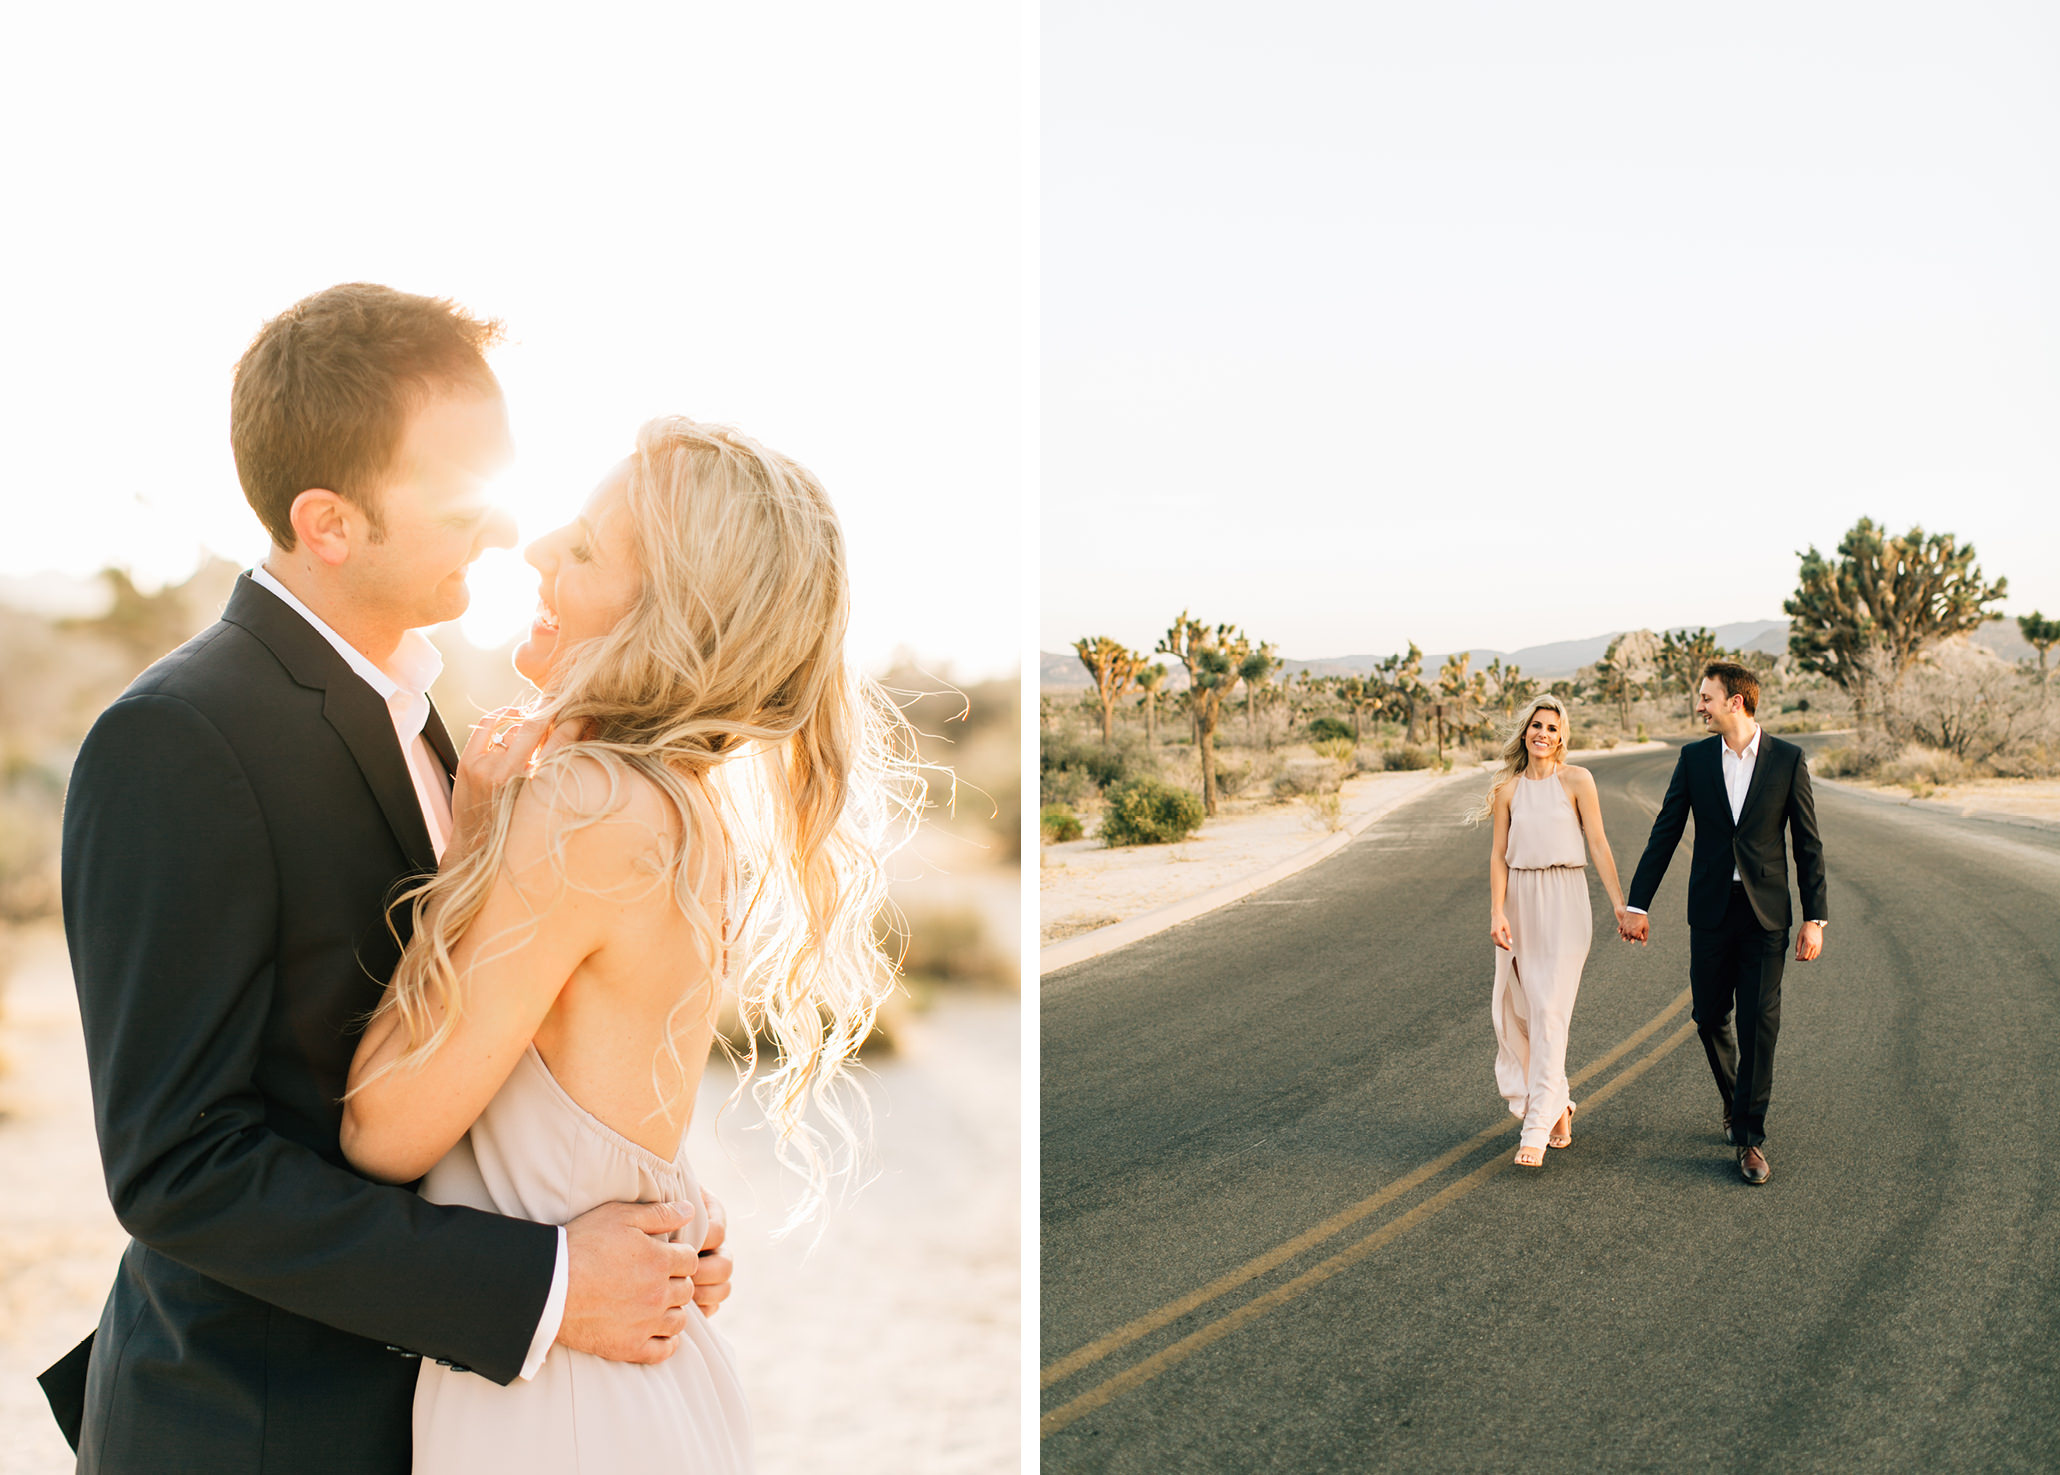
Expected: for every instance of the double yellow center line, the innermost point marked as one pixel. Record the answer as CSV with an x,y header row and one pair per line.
x,y
1214,1331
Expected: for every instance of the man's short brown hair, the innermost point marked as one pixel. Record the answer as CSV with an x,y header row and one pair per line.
x,y
323,394
1737,681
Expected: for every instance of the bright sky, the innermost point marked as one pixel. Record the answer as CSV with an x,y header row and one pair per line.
x,y
804,219
1488,325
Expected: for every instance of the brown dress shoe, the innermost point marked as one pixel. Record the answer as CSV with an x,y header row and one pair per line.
x,y
1752,1165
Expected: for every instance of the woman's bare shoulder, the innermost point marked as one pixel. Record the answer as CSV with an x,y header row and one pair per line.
x,y
598,819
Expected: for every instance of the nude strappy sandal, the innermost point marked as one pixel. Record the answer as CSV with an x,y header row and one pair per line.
x,y
1556,1140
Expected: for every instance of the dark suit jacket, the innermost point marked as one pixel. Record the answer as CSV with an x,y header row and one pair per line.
x,y
1778,797
236,823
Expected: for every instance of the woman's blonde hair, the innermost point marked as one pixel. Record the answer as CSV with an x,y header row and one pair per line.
x,y
1516,753
726,687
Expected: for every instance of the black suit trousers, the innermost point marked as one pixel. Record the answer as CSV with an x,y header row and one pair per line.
x,y
1734,974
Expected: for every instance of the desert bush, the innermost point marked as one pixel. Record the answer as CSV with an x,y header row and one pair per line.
x,y
1921,769
2027,760
950,944
1066,788
1410,757
1863,756
1147,812
1327,729
1641,734
1300,776
1967,701
1326,811
1337,749
1369,760
1058,823
1060,754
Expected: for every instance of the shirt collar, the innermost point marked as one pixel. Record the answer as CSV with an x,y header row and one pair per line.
x,y
1752,748
416,663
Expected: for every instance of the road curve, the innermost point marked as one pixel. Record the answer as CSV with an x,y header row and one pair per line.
x,y
1278,1230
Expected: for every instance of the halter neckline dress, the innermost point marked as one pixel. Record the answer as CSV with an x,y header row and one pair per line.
x,y
1551,924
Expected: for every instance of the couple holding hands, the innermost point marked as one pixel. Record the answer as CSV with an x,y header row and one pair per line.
x,y
1744,787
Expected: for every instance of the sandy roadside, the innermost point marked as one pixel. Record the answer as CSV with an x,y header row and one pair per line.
x,y
2036,799
894,1345
1084,886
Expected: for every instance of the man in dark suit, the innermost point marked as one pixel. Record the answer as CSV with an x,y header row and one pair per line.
x,y
236,825
1745,787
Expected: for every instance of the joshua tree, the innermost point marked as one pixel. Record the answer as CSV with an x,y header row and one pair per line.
x,y
1402,675
1464,693
1363,696
1149,676
1212,658
1511,687
1682,655
1256,671
2041,633
1114,667
1864,618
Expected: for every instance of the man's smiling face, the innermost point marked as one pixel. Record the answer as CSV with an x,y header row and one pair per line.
x,y
433,510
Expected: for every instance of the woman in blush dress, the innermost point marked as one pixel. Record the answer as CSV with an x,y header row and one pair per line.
x,y
699,799
1548,821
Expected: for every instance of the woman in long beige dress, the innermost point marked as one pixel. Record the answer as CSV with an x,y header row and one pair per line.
x,y
698,799
1548,821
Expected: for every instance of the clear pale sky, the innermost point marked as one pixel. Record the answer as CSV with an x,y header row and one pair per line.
x,y
802,219
1488,325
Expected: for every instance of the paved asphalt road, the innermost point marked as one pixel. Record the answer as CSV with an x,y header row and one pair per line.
x,y
1890,1301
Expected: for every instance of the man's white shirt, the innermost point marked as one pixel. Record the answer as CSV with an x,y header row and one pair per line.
x,y
405,690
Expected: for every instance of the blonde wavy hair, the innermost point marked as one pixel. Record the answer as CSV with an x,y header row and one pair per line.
x,y
1516,753
727,689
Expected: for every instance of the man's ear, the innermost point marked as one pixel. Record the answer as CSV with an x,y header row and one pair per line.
x,y
325,524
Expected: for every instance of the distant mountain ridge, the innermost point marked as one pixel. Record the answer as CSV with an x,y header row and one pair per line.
x,y
1546,662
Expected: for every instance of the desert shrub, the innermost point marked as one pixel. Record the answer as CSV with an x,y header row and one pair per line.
x,y
1369,760
948,943
1968,701
1922,769
1337,749
1239,776
1299,776
1058,823
1410,757
1329,729
1859,758
2032,760
1641,734
1066,788
1326,811
1147,812
1059,754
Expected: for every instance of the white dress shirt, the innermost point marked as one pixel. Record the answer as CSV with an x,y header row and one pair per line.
x,y
415,665
1738,769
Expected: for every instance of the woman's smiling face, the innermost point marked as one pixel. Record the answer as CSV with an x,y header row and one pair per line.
x,y
589,578
1543,736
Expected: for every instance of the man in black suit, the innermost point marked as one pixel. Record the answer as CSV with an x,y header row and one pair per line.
x,y
1744,787
236,825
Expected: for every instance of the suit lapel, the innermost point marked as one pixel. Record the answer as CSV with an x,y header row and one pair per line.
x,y
1759,778
366,727
440,741
351,707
